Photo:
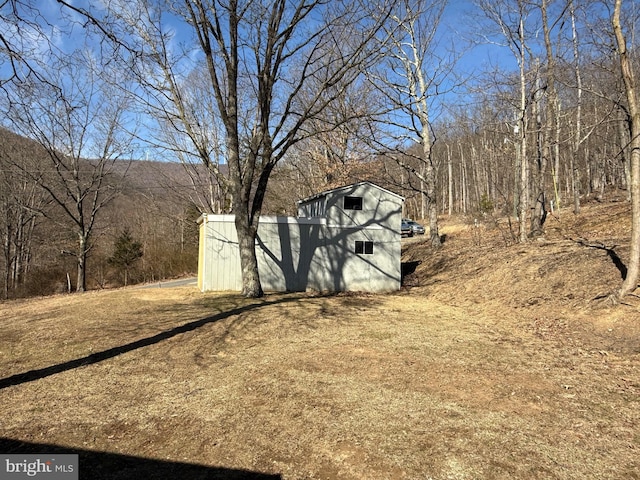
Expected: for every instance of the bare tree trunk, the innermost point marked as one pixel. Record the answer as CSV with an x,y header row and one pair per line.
x,y
81,282
7,254
246,224
542,148
546,153
430,190
450,180
422,199
623,135
523,186
463,181
477,174
556,153
630,283
251,286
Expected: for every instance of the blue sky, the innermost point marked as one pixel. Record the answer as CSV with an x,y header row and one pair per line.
x,y
460,26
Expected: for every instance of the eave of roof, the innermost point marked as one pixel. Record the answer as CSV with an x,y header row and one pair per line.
x,y
344,187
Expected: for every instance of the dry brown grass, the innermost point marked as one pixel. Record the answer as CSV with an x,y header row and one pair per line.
x,y
499,362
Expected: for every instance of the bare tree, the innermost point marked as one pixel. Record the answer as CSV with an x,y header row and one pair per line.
x,y
21,36
78,120
510,18
336,157
630,283
199,145
270,67
577,135
21,200
413,73
548,128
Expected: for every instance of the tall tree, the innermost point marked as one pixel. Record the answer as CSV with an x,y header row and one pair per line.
x,y
270,68
510,18
21,200
577,134
630,282
78,119
415,71
548,127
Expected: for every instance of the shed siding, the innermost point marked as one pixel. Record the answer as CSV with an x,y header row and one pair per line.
x,y
202,247
312,209
377,209
222,257
318,253
283,264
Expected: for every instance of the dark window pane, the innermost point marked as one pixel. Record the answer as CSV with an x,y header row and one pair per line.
x,y
368,248
353,203
365,248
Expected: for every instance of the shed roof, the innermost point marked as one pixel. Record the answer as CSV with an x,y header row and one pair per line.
x,y
230,218
345,187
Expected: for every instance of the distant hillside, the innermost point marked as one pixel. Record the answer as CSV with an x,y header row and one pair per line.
x,y
158,203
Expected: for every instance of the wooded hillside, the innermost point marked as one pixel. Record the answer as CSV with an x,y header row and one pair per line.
x,y
154,202
503,108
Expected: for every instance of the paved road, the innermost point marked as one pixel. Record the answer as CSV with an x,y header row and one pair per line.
x,y
183,282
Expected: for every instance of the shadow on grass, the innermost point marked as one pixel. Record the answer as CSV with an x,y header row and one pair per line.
x,y
97,357
95,465
619,264
407,268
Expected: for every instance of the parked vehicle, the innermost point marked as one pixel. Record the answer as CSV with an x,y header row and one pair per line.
x,y
405,229
416,228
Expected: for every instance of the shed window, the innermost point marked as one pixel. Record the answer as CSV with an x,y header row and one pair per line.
x,y
365,248
353,203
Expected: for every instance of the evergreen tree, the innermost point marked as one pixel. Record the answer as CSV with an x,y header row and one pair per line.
x,y
126,253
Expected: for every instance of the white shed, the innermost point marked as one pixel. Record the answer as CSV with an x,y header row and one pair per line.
x,y
345,239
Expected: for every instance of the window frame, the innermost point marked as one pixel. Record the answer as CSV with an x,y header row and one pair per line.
x,y
352,203
364,247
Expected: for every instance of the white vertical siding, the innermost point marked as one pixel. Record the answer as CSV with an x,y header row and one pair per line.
x,y
297,254
221,257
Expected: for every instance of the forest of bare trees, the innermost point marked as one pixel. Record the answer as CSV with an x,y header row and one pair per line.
x,y
40,239
508,109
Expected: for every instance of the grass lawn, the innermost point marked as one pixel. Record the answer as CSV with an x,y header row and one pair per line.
x,y
496,361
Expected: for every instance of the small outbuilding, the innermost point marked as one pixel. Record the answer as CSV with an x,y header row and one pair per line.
x,y
344,239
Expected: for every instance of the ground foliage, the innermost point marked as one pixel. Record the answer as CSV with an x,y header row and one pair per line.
x,y
495,360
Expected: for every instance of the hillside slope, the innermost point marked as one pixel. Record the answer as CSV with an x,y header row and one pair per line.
x,y
560,281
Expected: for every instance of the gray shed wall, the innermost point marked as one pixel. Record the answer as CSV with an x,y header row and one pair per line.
x,y
328,261
317,252
379,208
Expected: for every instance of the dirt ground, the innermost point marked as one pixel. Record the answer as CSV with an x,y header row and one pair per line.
x,y
495,361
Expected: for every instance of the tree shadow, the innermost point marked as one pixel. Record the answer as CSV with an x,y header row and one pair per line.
x,y
622,268
407,268
319,252
97,357
96,465
611,252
